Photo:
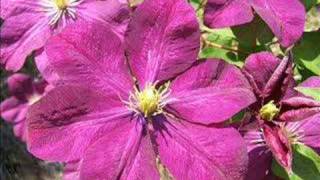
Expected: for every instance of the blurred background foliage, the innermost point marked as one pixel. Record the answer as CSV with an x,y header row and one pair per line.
x,y
231,44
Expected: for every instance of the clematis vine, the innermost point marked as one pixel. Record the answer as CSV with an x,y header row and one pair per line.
x,y
113,127
281,116
28,24
24,92
285,18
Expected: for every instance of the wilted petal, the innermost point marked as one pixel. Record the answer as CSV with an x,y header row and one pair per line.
x,y
191,151
66,120
225,13
286,18
279,145
163,39
210,92
24,30
20,85
122,153
89,54
267,74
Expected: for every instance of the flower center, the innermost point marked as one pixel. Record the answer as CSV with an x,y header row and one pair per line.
x,y
61,4
269,111
150,101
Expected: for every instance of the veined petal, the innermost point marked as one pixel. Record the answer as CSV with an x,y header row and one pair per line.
x,y
112,13
163,39
313,81
21,34
210,92
11,108
122,153
266,73
260,157
92,54
307,131
225,13
286,18
279,145
192,151
20,85
68,118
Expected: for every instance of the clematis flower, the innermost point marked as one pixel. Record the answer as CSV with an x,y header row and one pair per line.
x,y
280,117
116,128
29,23
285,18
25,91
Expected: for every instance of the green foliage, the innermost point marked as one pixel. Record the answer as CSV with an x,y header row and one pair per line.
x,y
307,52
308,4
311,92
306,165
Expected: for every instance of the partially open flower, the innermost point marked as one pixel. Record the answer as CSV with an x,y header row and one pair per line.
x,y
281,115
24,91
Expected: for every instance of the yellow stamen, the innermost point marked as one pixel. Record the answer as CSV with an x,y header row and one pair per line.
x,y
61,4
148,100
269,111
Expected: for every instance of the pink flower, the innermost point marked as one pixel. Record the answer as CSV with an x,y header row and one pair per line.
x,y
285,18
281,116
113,126
24,92
28,24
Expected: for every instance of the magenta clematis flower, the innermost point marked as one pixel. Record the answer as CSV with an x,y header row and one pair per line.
x,y
280,117
25,91
112,127
285,18
29,23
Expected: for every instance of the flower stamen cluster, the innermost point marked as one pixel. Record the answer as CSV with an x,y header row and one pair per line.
x,y
150,101
58,9
269,111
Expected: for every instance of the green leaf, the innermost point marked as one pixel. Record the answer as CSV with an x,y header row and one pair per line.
x,y
313,92
229,56
308,4
307,52
306,165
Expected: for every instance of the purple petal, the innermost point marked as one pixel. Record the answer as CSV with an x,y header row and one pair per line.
x,y
24,30
260,157
267,74
71,171
225,13
163,39
45,68
122,153
191,151
210,92
112,13
79,116
86,54
307,131
313,81
279,144
11,108
286,18
20,85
